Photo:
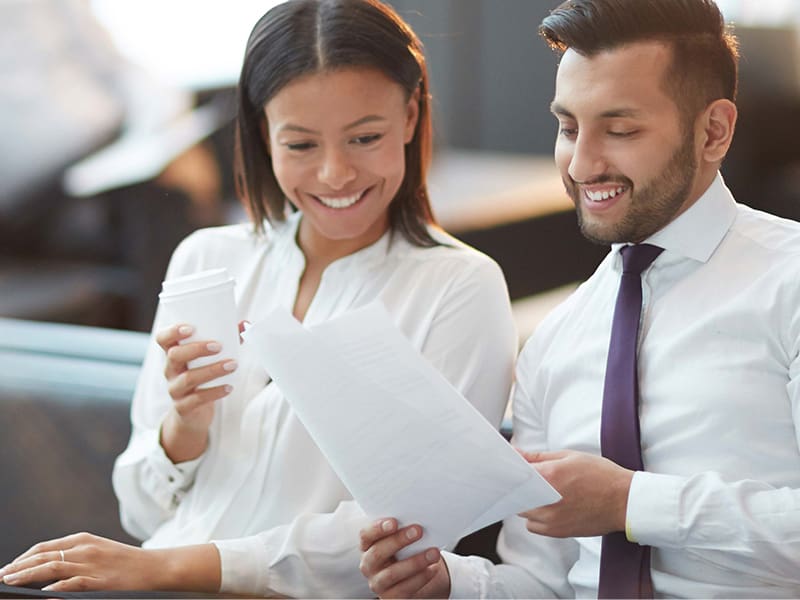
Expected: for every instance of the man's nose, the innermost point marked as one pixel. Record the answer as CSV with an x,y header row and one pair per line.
x,y
588,160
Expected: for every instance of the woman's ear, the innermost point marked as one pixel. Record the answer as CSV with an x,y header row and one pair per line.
x,y
718,123
412,116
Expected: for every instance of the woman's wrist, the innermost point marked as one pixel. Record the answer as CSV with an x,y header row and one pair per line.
x,y
181,443
188,568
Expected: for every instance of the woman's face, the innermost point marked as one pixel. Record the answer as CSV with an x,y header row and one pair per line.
x,y
337,144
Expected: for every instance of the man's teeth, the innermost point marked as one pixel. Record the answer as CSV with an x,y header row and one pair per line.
x,y
342,202
604,195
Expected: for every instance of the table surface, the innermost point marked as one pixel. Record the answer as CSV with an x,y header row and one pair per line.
x,y
476,189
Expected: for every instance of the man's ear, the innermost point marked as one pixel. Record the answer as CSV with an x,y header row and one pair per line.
x,y
717,124
412,116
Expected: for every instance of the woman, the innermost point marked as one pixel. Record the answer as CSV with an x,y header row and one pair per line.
x,y
226,487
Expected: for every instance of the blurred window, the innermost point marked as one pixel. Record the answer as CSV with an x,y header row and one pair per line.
x,y
195,44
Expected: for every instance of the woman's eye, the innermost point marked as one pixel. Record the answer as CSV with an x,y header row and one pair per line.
x,y
363,140
300,146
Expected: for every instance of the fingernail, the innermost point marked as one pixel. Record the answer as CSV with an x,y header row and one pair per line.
x,y
386,526
185,329
10,578
431,555
412,533
214,346
228,389
231,365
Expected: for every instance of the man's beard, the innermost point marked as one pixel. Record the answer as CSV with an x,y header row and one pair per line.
x,y
649,209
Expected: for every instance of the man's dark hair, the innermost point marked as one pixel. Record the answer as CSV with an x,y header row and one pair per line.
x,y
302,37
704,51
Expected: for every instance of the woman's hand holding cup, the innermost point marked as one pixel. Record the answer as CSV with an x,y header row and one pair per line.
x,y
184,433
186,385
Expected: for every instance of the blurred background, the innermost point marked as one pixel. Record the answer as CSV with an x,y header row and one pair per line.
x,y
115,140
115,143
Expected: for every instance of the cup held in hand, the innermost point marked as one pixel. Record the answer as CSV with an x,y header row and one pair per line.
x,y
205,300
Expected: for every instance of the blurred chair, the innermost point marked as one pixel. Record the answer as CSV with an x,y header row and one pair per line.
x,y
65,395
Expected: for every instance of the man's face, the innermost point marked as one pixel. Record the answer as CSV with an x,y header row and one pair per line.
x,y
625,156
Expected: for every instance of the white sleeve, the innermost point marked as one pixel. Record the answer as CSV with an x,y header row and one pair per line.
x,y
533,566
147,484
472,342
744,526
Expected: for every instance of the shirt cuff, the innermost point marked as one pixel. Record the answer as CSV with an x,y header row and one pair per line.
x,y
243,564
464,581
167,481
653,505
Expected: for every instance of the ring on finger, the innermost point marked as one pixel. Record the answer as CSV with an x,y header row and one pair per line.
x,y
61,552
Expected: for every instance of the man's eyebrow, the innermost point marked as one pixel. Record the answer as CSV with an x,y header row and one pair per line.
x,y
614,113
356,123
620,113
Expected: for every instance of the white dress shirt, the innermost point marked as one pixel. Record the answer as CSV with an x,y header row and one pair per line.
x,y
280,517
719,375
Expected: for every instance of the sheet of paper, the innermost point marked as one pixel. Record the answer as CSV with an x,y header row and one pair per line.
x,y
399,436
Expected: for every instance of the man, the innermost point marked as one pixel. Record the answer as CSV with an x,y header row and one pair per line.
x,y
710,503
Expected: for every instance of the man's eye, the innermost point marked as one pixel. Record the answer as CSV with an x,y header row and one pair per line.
x,y
568,131
623,134
363,140
300,146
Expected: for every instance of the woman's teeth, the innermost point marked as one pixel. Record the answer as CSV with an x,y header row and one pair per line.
x,y
599,196
341,202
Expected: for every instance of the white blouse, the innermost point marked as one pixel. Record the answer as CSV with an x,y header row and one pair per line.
x,y
280,517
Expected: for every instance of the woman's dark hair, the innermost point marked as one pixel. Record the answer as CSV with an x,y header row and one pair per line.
x,y
704,52
300,37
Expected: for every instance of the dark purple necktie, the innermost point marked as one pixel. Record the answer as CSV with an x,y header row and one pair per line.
x,y
624,566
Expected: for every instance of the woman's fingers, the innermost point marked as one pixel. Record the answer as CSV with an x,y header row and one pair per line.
x,y
187,382
170,336
186,405
179,356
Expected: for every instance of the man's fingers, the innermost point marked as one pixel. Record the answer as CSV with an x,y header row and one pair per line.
x,y
405,577
411,587
382,552
376,531
536,457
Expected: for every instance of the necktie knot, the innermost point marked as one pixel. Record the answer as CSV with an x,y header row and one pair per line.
x,y
638,257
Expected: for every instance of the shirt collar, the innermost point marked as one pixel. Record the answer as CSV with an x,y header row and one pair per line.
x,y
698,231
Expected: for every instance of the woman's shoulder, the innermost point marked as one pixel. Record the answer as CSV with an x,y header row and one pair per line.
x,y
450,253
213,247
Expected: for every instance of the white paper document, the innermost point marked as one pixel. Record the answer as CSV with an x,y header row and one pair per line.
x,y
399,436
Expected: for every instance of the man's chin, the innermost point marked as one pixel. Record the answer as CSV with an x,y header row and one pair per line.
x,y
595,232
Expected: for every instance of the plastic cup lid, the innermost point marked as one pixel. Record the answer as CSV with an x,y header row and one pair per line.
x,y
195,282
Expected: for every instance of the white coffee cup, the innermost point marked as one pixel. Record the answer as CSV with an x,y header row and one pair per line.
x,y
204,300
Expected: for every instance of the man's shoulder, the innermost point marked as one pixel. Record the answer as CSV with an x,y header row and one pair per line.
x,y
775,235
